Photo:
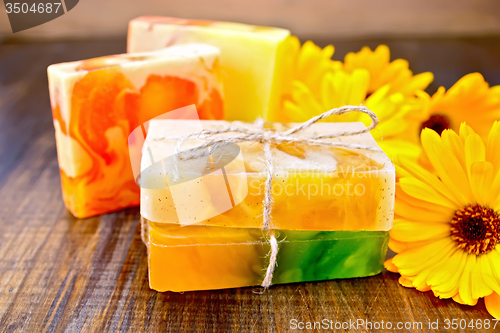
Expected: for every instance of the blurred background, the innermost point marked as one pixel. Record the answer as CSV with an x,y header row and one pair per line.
x,y
306,18
448,37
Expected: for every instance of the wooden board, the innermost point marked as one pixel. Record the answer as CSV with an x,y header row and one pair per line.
x,y
58,273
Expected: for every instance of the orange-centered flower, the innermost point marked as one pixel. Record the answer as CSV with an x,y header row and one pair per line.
x,y
469,100
447,226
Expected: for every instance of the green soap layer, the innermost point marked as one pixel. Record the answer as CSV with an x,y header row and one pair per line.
x,y
325,255
204,257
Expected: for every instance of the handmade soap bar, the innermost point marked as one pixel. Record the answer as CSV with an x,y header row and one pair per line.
x,y
203,257
314,187
254,59
203,213
97,103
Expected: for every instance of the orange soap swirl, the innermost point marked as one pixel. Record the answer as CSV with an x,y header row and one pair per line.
x,y
97,103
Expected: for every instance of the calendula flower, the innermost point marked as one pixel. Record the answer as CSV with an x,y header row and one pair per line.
x,y
447,225
382,71
470,100
387,88
340,88
309,64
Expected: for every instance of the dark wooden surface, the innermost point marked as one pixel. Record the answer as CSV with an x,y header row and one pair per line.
x,y
58,273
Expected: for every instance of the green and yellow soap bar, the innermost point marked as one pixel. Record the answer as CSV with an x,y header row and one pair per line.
x,y
332,210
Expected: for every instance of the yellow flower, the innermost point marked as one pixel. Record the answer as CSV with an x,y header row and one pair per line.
x,y
309,64
470,100
447,226
388,88
396,73
338,88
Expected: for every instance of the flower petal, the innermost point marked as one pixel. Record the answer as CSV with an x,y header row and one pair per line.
x,y
449,276
447,166
394,148
488,276
407,231
447,270
391,127
425,176
404,197
390,266
459,300
420,82
397,246
494,197
494,259
406,211
465,131
421,279
492,303
405,282
481,178
475,151
360,80
455,144
479,287
422,191
304,104
493,146
464,286
312,62
414,260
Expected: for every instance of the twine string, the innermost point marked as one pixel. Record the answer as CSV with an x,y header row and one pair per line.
x,y
266,138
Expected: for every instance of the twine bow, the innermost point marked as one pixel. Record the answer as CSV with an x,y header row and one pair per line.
x,y
266,138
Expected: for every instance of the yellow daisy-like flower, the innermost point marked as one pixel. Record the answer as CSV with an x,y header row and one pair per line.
x,y
388,88
470,100
338,88
447,226
382,71
309,64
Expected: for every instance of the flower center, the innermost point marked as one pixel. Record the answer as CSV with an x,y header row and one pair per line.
x,y
476,229
437,122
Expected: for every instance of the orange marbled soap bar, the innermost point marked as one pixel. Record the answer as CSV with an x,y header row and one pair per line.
x,y
97,103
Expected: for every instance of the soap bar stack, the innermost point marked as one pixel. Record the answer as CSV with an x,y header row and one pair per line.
x,y
332,210
97,103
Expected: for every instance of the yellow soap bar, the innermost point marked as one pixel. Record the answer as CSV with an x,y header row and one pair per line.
x,y
314,187
97,103
254,59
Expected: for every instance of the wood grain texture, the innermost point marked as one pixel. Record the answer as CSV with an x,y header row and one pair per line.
x,y
61,274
